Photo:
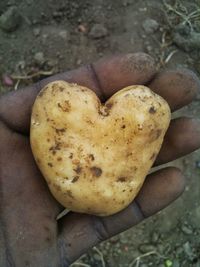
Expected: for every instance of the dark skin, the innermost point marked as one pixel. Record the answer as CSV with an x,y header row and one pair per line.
x,y
29,232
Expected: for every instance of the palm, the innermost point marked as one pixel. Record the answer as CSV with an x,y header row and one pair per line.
x,y
29,209
29,232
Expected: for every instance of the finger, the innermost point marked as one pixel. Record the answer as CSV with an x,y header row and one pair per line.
x,y
104,77
160,189
182,138
80,232
116,73
177,87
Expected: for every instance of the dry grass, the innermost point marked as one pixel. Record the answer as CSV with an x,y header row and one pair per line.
x,y
176,13
179,13
80,263
137,260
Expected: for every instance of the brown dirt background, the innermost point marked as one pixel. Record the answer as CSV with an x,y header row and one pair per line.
x,y
54,36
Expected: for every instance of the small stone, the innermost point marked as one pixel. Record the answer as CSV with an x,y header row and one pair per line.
x,y
150,25
10,2
82,28
125,3
51,63
144,248
36,32
154,237
176,263
57,14
29,2
34,21
179,250
123,240
10,19
198,161
149,48
160,248
182,29
126,248
98,31
186,230
118,251
7,80
96,257
78,62
63,34
143,9
39,58
45,36
186,39
21,65
188,250
114,240
117,245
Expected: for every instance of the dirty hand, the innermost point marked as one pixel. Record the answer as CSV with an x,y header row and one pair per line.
x,y
29,232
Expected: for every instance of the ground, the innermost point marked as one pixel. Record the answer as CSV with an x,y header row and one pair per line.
x,y
39,38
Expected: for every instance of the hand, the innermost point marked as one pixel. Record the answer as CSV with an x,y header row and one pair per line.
x,y
29,232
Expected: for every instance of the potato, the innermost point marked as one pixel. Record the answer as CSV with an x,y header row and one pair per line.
x,y
96,156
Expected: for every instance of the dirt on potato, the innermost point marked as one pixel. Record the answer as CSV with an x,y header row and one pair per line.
x,y
40,38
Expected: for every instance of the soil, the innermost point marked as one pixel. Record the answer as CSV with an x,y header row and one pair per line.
x,y
39,38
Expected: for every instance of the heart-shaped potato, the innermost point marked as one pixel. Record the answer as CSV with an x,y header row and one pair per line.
x,y
96,156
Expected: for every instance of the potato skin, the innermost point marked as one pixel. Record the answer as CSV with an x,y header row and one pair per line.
x,y
95,157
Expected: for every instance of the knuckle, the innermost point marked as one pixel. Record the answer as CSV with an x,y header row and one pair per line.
x,y
100,229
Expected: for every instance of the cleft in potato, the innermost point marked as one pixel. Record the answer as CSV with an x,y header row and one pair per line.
x,y
94,156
